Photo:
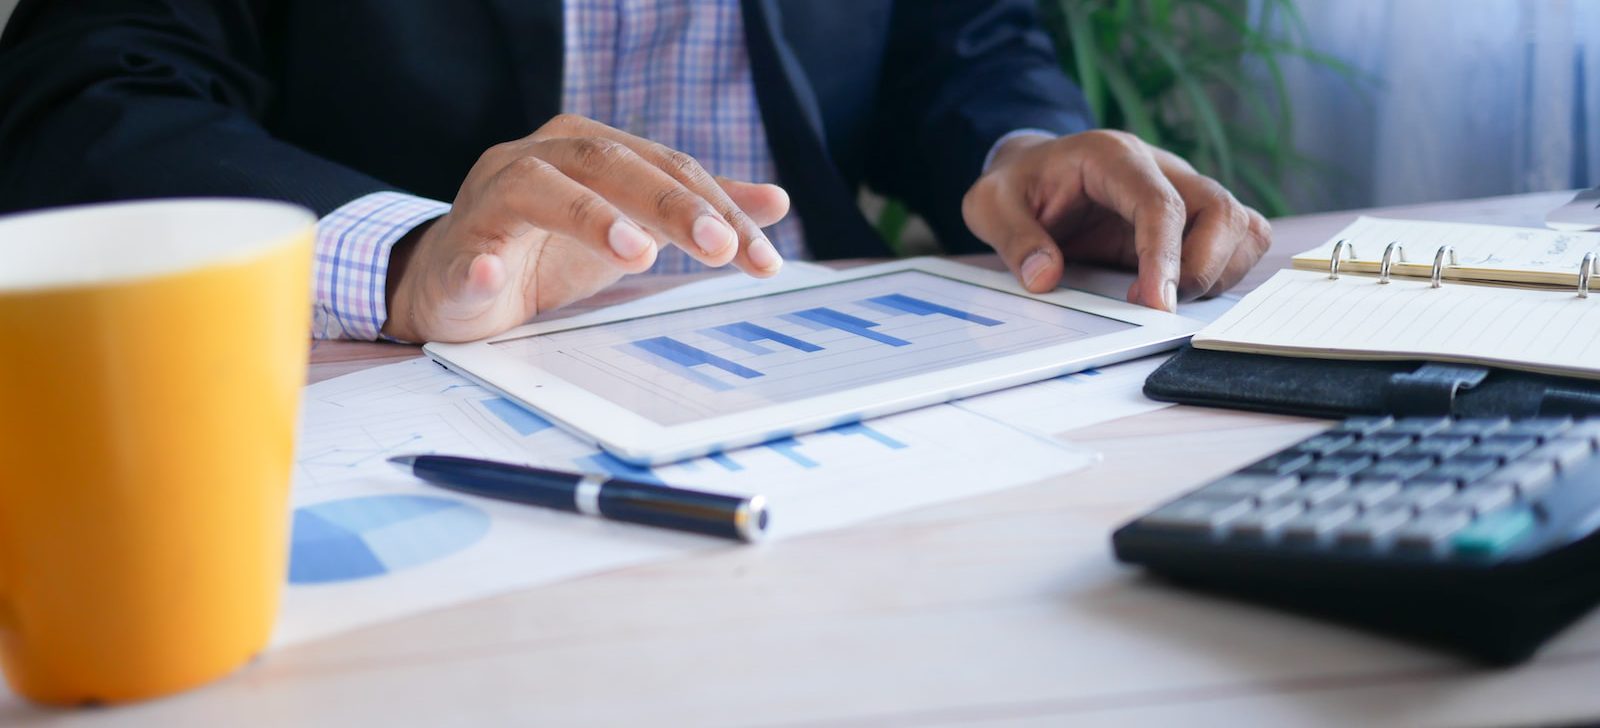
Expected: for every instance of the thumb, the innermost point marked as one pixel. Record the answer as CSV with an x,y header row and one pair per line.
x,y
999,215
484,279
468,287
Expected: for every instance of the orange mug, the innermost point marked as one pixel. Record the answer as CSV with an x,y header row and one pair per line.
x,y
153,357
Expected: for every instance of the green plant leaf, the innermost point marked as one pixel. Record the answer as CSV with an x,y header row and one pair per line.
x,y
1129,101
1080,31
1200,104
892,225
1202,78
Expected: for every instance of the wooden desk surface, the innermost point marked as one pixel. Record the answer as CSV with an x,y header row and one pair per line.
x,y
1005,609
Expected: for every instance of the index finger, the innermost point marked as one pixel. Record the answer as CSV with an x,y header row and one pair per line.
x,y
1130,183
754,254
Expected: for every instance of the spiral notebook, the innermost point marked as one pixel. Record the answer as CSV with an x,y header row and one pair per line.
x,y
1505,297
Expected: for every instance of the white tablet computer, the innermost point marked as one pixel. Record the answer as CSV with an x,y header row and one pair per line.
x,y
718,374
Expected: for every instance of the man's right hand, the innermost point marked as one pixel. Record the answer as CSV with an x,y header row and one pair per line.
x,y
553,218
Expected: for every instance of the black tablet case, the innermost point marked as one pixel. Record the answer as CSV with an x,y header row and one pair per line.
x,y
1339,388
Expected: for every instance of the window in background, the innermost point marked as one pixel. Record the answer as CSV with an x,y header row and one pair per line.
x,y
1472,99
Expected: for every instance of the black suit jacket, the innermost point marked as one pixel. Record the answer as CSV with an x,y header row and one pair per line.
x,y
322,101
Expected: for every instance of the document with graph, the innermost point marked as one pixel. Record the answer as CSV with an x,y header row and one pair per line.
x,y
371,544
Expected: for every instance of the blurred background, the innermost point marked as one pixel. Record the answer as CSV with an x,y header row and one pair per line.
x,y
1308,105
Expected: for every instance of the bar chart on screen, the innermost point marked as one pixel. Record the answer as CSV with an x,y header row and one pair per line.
x,y
821,334
686,365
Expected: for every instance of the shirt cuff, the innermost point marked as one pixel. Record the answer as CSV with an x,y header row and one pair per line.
x,y
352,261
988,159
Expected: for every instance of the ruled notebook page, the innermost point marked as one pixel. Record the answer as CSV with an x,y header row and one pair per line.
x,y
1300,313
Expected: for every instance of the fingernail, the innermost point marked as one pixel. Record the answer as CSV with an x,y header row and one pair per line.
x,y
1169,296
1034,266
763,255
712,235
627,240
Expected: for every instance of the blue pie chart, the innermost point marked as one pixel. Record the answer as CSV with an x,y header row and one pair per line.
x,y
367,536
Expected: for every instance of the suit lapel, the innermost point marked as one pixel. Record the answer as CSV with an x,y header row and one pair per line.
x,y
834,225
532,33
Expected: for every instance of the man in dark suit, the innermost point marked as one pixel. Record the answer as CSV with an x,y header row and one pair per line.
x,y
656,128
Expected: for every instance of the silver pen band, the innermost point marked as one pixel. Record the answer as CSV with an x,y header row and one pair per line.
x,y
587,494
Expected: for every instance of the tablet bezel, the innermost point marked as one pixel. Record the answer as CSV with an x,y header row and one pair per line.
x,y
641,441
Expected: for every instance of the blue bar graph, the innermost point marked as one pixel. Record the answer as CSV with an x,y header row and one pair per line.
x,y
727,463
790,448
829,318
751,333
907,304
686,356
1075,376
856,428
604,463
747,347
514,415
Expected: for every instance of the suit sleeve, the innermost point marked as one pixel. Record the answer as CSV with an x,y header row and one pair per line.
x,y
961,74
124,99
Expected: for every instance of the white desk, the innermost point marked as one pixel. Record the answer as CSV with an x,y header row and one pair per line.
x,y
1004,610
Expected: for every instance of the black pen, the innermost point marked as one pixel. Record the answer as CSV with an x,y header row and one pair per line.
x,y
648,504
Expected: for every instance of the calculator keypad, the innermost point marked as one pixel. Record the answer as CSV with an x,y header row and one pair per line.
x,y
1466,487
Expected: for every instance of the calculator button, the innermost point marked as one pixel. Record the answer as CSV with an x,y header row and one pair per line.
x,y
1479,427
1463,470
1317,490
1481,499
1372,526
1501,448
1437,447
1423,495
1419,425
1401,468
1282,463
1326,444
1196,515
1528,477
1494,534
1370,493
1264,522
1316,522
1430,531
1542,428
1249,486
1381,446
1586,430
1364,425
1336,466
1566,453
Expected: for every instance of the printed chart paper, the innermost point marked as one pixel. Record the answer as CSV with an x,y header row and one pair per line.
x,y
371,543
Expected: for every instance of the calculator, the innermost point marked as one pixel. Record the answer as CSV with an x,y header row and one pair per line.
x,y
1476,535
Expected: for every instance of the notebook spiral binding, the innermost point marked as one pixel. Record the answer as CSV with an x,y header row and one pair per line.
x,y
1395,252
1437,279
1390,254
1586,269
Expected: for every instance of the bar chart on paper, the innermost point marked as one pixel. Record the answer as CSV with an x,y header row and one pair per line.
x,y
838,447
687,365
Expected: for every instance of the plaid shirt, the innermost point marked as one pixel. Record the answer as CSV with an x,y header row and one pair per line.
x,y
673,71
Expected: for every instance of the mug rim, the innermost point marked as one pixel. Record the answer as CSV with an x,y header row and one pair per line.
x,y
285,222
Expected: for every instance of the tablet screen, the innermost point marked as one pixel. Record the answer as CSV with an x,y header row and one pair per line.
x,y
732,357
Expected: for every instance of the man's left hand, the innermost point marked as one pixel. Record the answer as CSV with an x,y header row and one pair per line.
x,y
1106,197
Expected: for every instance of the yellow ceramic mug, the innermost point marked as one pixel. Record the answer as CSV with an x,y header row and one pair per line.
x,y
151,360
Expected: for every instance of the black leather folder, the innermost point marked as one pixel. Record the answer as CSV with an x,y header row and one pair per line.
x,y
1338,388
